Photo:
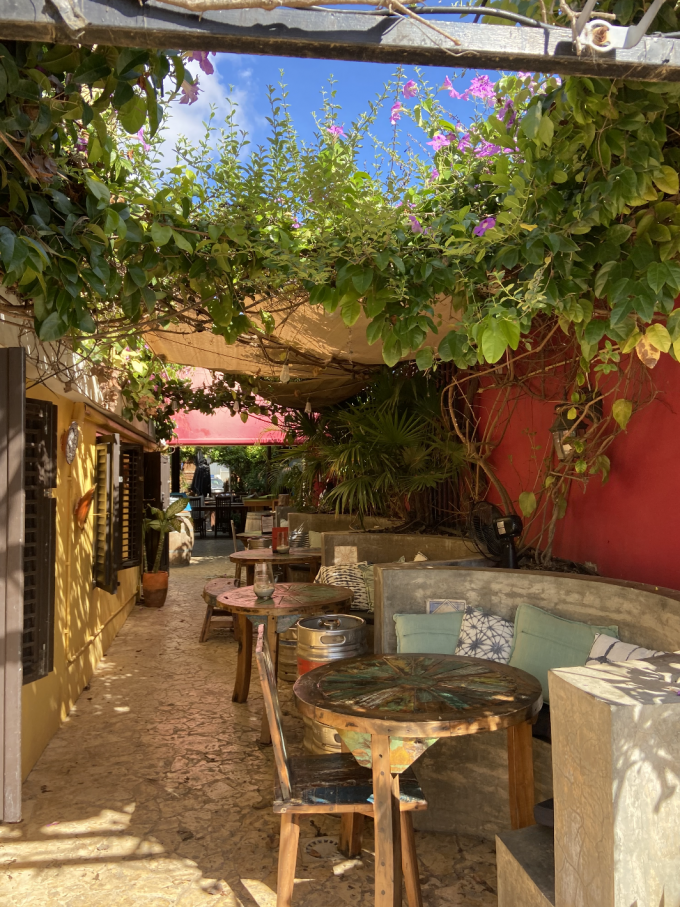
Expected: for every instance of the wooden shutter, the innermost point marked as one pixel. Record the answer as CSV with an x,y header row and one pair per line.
x,y
40,467
106,513
131,505
12,404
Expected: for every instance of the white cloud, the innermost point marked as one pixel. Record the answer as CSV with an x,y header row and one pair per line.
x,y
189,119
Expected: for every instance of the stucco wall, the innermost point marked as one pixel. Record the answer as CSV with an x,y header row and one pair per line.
x,y
86,619
627,527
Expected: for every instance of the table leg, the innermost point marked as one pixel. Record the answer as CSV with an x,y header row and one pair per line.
x,y
250,574
387,825
521,775
273,641
244,659
351,826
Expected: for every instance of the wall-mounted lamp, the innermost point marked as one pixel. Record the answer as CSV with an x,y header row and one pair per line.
x,y
563,432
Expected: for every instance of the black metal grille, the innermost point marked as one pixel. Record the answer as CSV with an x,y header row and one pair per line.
x,y
132,502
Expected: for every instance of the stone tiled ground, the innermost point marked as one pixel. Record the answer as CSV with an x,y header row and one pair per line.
x,y
156,793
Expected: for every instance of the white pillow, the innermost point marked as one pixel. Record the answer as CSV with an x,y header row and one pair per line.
x,y
607,650
485,636
350,577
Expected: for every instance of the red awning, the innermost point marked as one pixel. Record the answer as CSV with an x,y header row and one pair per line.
x,y
221,428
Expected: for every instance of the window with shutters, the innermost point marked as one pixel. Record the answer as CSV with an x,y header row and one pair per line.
x,y
131,505
40,468
107,539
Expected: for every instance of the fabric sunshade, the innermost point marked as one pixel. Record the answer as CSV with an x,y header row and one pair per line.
x,y
314,343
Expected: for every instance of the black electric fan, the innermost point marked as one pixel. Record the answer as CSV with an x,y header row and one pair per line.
x,y
494,534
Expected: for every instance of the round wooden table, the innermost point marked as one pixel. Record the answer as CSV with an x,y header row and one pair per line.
x,y
289,599
249,558
389,709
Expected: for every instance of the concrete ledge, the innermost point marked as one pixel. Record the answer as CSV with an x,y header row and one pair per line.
x,y
525,862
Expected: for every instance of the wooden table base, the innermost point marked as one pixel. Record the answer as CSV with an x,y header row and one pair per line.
x,y
521,775
244,633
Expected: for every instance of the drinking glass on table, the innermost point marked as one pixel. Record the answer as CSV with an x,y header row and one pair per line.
x,y
264,581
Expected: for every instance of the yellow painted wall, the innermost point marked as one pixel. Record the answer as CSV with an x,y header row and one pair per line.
x,y
86,619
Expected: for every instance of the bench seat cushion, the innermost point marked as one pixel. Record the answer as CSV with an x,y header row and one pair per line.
x,y
608,650
544,642
428,634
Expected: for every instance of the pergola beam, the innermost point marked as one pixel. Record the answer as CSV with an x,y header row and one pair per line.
x,y
335,34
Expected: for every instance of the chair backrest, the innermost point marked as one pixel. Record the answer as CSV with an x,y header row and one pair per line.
x,y
196,503
265,668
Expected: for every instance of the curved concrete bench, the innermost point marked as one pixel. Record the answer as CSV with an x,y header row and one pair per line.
x,y
465,779
388,547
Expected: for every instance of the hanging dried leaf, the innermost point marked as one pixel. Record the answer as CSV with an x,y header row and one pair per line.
x,y
648,353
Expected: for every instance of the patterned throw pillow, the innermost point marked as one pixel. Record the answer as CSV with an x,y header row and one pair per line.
x,y
350,577
485,636
607,650
368,574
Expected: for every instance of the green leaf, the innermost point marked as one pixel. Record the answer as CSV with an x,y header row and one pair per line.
x,y
594,331
350,311
391,350
374,331
182,242
7,241
667,180
425,358
132,115
93,68
52,328
546,130
363,281
176,507
657,274
622,410
602,276
659,337
531,121
619,233
494,342
527,503
511,330
161,234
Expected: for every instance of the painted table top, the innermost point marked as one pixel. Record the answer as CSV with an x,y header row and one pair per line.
x,y
288,598
419,695
258,555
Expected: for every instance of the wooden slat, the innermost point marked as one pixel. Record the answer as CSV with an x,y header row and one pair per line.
x,y
338,35
267,671
387,826
12,421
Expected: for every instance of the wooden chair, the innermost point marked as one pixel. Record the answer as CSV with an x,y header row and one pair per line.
x,y
222,514
332,783
237,570
213,612
198,515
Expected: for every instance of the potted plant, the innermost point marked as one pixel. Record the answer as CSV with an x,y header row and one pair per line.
x,y
155,583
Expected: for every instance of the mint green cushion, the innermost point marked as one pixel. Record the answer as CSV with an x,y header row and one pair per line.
x,y
543,642
429,634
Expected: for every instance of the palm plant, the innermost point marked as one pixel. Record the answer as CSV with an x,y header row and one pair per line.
x,y
380,456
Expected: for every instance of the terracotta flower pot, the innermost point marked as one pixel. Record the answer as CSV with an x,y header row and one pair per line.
x,y
155,586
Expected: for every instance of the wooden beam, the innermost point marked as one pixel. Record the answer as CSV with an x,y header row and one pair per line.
x,y
337,35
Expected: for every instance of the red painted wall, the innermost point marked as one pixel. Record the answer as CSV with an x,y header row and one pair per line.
x,y
629,527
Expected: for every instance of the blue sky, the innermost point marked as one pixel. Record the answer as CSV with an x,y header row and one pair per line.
x,y
245,78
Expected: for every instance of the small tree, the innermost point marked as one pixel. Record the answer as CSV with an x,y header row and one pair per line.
x,y
162,521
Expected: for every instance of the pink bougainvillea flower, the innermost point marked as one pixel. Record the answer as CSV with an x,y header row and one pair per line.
x,y
81,144
440,141
486,149
416,226
190,92
140,136
395,113
524,75
508,108
481,87
410,90
448,86
486,224
335,131
434,175
464,142
201,57
296,224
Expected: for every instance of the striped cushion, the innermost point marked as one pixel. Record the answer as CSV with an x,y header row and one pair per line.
x,y
607,650
350,577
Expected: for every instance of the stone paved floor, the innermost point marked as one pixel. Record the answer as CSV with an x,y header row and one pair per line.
x,y
156,793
